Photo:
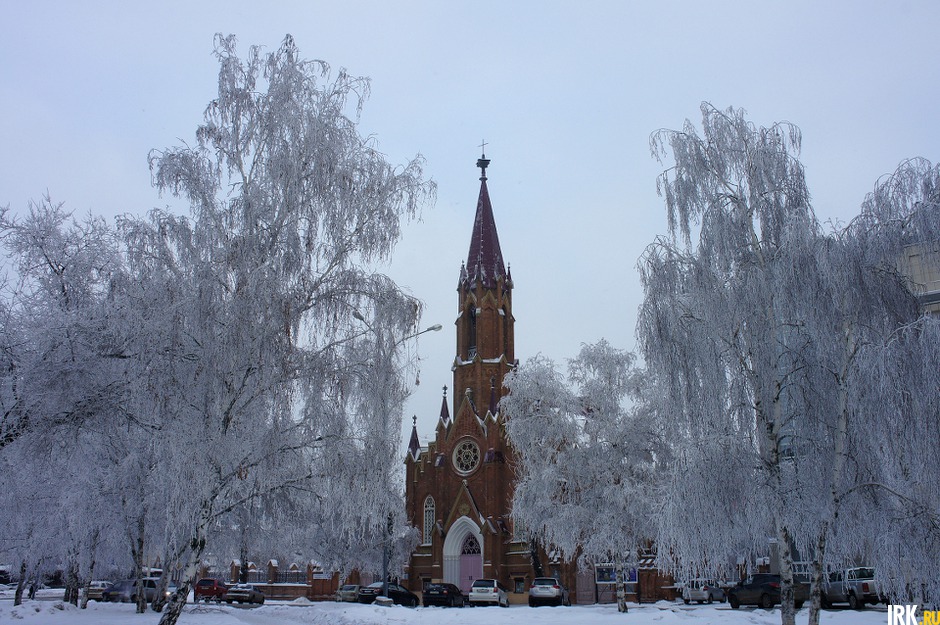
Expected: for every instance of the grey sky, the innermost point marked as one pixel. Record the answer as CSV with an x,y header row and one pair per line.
x,y
566,95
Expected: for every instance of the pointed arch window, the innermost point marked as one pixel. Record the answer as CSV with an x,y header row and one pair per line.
x,y
506,325
472,333
470,546
429,517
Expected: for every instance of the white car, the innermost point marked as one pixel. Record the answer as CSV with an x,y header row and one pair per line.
x,y
489,591
97,587
702,591
348,592
547,591
244,593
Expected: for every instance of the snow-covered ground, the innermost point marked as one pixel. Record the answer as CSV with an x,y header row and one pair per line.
x,y
52,612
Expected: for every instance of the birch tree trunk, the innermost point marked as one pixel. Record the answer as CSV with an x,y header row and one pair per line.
x,y
785,554
71,582
93,551
621,587
193,551
816,588
18,595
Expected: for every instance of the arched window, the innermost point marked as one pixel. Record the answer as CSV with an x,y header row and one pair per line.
x,y
506,324
470,546
428,519
472,333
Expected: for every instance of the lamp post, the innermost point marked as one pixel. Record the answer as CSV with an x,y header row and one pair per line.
x,y
389,524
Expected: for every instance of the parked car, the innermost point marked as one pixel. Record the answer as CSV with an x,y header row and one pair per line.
x,y
547,590
244,593
489,591
96,588
209,589
126,590
702,591
398,594
446,595
763,589
171,590
348,592
856,587
118,591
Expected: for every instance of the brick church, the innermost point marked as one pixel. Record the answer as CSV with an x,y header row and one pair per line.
x,y
459,488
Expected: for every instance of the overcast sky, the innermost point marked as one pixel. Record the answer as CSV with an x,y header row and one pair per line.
x,y
565,94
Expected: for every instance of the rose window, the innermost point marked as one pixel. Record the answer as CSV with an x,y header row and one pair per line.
x,y
466,457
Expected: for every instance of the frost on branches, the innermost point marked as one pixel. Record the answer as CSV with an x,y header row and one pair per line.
x,y
292,340
235,370
588,456
763,331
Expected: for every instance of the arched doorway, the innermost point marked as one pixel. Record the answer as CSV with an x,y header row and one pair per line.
x,y
471,562
463,554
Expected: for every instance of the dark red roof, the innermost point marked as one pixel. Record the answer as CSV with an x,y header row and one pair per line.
x,y
445,413
414,446
485,259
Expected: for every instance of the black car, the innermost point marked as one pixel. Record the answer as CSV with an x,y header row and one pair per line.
x,y
446,595
763,589
398,594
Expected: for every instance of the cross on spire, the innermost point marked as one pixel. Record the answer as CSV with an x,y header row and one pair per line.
x,y
483,162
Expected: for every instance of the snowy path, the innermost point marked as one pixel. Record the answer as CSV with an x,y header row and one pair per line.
x,y
54,613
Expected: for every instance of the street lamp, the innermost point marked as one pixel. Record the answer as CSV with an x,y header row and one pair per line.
x,y
435,328
388,527
389,520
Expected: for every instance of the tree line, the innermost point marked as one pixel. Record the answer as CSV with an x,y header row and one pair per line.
x,y
788,386
188,386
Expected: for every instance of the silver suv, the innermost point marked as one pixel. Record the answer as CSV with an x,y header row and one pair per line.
x,y
547,590
702,591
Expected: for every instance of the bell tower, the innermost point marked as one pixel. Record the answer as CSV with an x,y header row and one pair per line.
x,y
485,345
459,487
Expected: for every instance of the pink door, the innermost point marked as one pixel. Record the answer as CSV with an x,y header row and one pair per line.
x,y
471,563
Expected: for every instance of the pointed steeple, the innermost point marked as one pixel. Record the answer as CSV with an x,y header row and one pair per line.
x,y
445,413
485,259
414,447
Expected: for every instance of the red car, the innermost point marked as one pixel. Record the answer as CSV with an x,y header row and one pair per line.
x,y
209,589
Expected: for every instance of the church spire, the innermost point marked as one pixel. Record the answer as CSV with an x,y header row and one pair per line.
x,y
445,413
414,446
485,259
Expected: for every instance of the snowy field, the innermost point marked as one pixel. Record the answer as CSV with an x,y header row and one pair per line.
x,y
53,612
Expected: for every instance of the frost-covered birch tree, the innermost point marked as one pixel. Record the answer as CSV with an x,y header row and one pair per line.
x,y
894,392
588,457
716,330
267,285
756,329
216,365
62,383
